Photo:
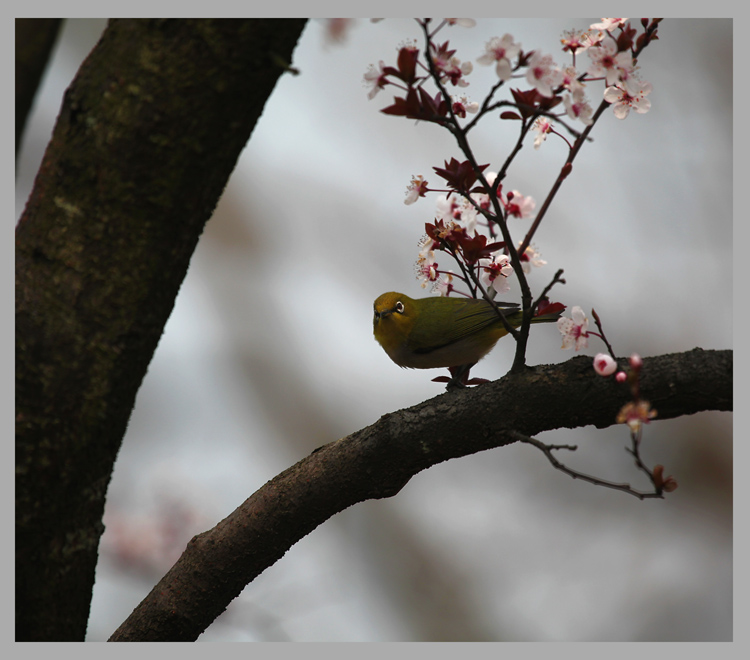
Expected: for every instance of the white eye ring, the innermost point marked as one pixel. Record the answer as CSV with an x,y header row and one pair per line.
x,y
399,307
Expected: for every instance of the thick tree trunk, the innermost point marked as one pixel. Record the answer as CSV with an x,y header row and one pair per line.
x,y
148,134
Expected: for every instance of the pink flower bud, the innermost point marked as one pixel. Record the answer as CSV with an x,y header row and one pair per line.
x,y
604,365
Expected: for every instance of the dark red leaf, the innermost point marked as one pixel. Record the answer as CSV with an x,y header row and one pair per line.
x,y
407,64
460,176
547,308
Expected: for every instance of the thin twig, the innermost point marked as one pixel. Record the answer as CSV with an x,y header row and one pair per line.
x,y
557,279
547,451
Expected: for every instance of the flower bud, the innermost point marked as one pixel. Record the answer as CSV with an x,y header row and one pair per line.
x,y
604,365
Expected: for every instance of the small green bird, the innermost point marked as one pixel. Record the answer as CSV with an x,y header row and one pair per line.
x,y
428,333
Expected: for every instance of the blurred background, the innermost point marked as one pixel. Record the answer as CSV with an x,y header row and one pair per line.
x,y
269,354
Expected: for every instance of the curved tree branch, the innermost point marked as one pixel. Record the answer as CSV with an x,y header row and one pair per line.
x,y
379,460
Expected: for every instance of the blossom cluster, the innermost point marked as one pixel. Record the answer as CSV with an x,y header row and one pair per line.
x,y
455,232
472,197
475,201
611,45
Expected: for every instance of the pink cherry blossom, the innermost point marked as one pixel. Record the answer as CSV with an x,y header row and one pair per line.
x,y
501,51
574,331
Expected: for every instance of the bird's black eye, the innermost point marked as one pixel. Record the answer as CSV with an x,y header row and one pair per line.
x,y
399,307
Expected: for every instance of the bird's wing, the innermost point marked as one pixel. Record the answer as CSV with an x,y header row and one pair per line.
x,y
462,320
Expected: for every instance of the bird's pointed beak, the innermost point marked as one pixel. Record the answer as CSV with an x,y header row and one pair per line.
x,y
384,313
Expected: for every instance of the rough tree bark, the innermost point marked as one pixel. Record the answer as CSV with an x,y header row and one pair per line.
x,y
147,136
